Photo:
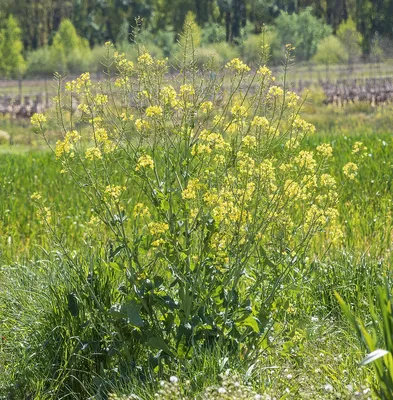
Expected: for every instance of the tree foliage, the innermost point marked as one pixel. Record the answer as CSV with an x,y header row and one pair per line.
x,y
12,63
302,30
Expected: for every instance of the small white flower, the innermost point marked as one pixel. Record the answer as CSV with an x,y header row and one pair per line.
x,y
221,390
257,397
289,376
173,379
365,391
328,387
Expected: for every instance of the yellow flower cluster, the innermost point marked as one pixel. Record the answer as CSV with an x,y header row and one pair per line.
x,y
275,91
206,107
123,65
238,66
190,192
83,83
350,170
239,111
100,99
260,122
153,111
325,150
38,119
101,137
157,228
249,141
145,59
209,141
142,125
66,146
140,210
306,160
186,90
93,153
114,192
359,148
168,96
264,71
144,161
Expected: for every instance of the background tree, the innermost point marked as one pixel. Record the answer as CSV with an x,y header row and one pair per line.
x,y
350,38
302,30
12,63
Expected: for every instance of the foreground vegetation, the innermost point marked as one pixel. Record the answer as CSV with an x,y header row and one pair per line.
x,y
196,237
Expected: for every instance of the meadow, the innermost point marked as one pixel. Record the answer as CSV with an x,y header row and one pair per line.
x,y
81,307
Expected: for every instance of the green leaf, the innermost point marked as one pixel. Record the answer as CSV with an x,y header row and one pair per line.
x,y
250,321
375,355
159,343
132,310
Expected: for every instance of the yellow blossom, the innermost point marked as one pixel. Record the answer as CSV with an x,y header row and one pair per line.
x,y
36,196
144,161
186,90
113,192
140,210
238,66
276,91
145,60
249,142
190,191
239,111
264,71
158,228
350,170
38,119
93,153
154,111
169,96
358,147
142,125
206,107
260,122
325,150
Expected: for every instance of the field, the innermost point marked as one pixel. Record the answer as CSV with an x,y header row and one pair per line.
x,y
70,327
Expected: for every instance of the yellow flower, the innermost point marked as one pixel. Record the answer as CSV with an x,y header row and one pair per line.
x,y
249,142
144,161
264,71
358,147
239,111
101,99
237,66
94,153
36,196
325,150
158,228
38,119
328,181
142,125
206,107
306,160
350,170
260,122
113,192
169,96
154,111
145,60
140,210
190,191
276,91
187,90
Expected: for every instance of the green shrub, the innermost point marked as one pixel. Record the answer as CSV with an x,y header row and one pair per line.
x,y
303,30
